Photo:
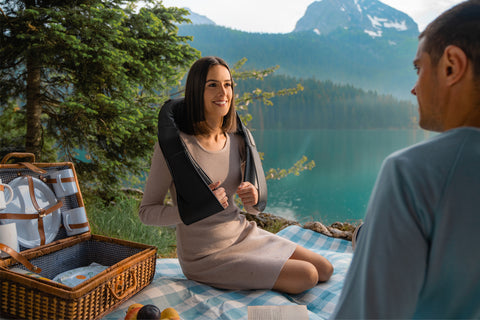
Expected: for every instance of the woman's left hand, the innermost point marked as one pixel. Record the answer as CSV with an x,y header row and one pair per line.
x,y
248,194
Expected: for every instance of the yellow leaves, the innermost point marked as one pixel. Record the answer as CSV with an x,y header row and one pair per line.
x,y
296,169
31,27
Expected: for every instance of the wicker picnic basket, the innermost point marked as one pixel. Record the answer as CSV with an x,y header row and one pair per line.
x,y
129,266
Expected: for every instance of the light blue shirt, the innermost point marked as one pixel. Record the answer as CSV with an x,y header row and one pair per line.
x,y
418,253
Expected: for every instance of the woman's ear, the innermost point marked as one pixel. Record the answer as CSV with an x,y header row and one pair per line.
x,y
455,64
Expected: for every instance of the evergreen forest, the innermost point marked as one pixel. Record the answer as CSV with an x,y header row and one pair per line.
x,y
326,105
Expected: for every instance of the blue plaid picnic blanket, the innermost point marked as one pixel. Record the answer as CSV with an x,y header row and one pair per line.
x,y
193,300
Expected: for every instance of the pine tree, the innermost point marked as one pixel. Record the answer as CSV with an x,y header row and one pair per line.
x,y
87,75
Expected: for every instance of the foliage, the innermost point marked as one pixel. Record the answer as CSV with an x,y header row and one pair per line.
x,y
88,75
119,219
298,167
263,97
12,130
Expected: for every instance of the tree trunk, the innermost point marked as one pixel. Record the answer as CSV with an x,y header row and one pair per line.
x,y
33,141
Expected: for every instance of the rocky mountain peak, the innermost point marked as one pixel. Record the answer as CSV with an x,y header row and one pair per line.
x,y
370,16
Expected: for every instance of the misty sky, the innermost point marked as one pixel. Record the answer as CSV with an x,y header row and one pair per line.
x,y
280,16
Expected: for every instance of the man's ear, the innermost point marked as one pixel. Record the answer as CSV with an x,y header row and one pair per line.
x,y
455,64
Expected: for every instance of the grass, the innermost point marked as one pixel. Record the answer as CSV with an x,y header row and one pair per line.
x,y
119,219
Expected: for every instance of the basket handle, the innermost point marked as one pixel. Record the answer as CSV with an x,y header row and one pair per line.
x,y
11,155
27,164
19,258
122,285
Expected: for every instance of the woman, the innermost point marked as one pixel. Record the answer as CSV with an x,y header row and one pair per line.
x,y
224,250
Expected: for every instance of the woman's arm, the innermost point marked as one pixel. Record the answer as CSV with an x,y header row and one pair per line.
x,y
153,211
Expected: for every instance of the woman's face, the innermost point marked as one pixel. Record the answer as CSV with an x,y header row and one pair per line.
x,y
217,95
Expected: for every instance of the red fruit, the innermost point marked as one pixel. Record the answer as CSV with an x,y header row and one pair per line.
x,y
132,312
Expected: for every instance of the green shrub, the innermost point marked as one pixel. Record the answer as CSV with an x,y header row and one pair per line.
x,y
119,219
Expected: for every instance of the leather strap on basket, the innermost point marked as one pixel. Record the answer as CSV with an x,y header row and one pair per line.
x,y
33,167
63,180
19,258
78,225
41,212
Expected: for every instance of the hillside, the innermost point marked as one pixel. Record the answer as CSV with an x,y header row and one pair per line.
x,y
326,105
362,42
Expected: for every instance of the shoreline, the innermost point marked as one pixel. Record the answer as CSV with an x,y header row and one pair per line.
x,y
268,221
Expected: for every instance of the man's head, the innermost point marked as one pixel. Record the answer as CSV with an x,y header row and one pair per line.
x,y
448,67
459,26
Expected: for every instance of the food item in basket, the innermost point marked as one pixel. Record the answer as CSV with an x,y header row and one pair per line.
x,y
149,312
132,311
169,314
76,276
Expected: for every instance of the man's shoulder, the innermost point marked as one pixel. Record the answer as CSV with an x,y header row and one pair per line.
x,y
447,142
442,149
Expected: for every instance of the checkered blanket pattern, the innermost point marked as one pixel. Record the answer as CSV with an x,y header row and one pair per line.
x,y
196,301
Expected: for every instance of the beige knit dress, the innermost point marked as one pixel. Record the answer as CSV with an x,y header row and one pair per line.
x,y
224,250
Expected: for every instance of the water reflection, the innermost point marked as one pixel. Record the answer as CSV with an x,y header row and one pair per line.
x,y
347,164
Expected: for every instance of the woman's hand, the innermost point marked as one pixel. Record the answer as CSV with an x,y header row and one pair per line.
x,y
219,193
248,194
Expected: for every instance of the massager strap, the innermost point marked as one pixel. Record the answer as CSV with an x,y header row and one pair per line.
x,y
253,166
195,199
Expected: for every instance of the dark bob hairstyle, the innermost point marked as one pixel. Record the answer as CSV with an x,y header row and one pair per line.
x,y
192,117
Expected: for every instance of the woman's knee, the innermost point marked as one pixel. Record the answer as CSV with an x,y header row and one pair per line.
x,y
311,275
325,272
323,266
297,277
307,279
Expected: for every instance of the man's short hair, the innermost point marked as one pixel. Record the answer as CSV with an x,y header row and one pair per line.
x,y
459,26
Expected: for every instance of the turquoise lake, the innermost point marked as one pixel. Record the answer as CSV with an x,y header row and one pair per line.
x,y
346,166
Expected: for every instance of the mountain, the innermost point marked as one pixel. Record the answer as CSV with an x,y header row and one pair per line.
x,y
373,17
363,43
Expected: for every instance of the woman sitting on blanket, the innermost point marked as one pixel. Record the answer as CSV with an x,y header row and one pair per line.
x,y
224,250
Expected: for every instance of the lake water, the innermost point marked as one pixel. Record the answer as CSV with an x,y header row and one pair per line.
x,y
347,164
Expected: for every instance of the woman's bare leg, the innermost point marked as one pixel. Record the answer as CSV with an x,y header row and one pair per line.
x,y
323,266
303,271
